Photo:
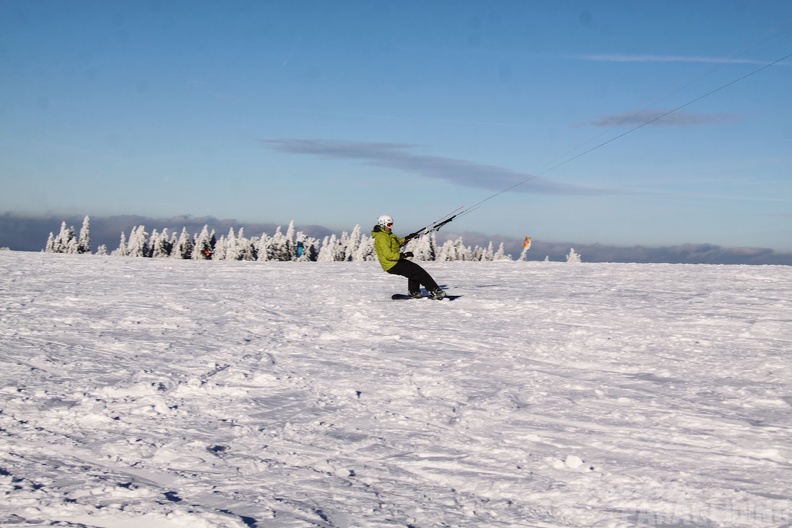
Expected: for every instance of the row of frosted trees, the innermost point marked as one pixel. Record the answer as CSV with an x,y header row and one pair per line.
x,y
235,245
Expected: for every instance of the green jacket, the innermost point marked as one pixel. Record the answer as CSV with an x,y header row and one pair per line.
x,y
387,246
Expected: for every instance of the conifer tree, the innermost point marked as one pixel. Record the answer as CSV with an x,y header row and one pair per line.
x,y
501,253
172,243
263,247
463,252
232,249
62,241
162,246
352,244
365,249
203,245
279,247
184,246
60,245
424,248
71,248
310,248
488,254
84,243
290,250
339,251
152,242
131,242
50,247
138,242
246,250
122,246
444,254
327,252
220,248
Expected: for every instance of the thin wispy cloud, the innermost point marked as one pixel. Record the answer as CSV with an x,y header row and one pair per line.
x,y
660,118
627,57
398,156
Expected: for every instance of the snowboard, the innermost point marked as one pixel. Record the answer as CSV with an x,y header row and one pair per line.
x,y
403,297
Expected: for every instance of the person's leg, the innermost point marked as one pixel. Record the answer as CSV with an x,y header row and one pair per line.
x,y
415,274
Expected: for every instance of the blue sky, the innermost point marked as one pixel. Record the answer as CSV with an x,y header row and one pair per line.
x,y
333,113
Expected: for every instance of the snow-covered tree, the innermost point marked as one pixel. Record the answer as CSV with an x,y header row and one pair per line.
x,y
246,250
501,253
122,247
445,252
172,243
310,247
572,256
263,247
232,247
71,249
50,247
278,247
203,245
365,250
339,251
476,254
184,246
425,248
64,237
328,250
84,243
291,243
138,243
456,250
487,254
67,241
352,244
153,240
62,242
220,248
161,245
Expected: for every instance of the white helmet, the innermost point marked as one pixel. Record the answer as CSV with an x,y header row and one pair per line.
x,y
384,221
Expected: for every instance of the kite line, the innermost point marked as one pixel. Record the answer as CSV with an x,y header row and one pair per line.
x,y
464,210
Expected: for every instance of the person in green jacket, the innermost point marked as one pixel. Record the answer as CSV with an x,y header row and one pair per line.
x,y
388,248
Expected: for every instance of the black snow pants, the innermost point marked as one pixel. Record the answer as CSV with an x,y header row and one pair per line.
x,y
415,274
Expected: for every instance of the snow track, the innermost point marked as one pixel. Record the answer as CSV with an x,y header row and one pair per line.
x,y
174,393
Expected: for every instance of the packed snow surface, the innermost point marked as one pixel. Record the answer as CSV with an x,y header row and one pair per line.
x,y
179,393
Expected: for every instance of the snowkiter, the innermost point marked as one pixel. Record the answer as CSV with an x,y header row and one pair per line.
x,y
388,248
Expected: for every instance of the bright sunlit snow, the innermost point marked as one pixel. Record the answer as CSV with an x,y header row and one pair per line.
x,y
178,393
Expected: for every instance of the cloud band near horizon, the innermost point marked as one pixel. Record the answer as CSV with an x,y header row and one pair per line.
x,y
397,156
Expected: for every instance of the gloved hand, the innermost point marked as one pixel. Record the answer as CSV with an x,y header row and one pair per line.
x,y
407,254
410,237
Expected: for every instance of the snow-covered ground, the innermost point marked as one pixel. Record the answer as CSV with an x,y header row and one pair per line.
x,y
170,393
